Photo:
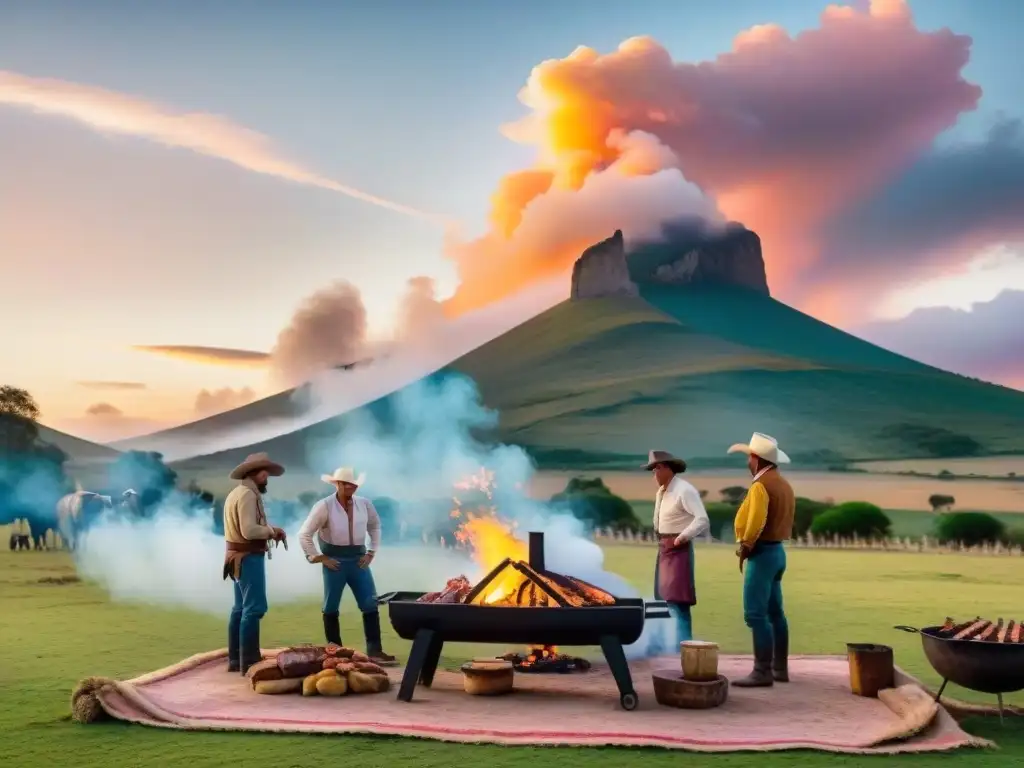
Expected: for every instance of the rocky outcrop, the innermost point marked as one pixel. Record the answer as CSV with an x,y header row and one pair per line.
x,y
602,271
696,253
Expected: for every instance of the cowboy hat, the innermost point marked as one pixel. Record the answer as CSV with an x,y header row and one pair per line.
x,y
344,475
664,457
254,462
763,446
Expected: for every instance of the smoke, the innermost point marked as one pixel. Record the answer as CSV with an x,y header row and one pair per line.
x,y
334,392
206,134
213,401
780,133
413,452
542,220
328,329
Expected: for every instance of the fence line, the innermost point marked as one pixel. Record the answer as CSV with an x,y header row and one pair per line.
x,y
925,544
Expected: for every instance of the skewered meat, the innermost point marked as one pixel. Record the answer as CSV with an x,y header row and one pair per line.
x,y
972,630
983,630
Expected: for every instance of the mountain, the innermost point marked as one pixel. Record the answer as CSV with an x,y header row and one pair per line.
x,y
78,451
694,356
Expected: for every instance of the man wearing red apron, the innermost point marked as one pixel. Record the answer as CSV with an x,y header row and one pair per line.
x,y
679,518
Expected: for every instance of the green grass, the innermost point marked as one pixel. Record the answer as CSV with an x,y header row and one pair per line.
x,y
53,635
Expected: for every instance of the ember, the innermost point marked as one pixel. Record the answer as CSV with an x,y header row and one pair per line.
x,y
546,658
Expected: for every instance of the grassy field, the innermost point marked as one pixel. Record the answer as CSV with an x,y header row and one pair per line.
x,y
54,634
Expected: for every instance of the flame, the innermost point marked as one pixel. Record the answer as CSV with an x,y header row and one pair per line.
x,y
490,538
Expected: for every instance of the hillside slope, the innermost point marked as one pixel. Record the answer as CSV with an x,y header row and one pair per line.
x,y
77,449
597,383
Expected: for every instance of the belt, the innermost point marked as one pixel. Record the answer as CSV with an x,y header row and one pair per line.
x,y
764,543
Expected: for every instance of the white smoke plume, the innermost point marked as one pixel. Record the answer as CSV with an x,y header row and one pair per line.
x,y
338,391
414,453
206,134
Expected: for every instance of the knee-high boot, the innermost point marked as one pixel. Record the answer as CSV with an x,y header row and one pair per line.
x,y
332,628
374,645
780,657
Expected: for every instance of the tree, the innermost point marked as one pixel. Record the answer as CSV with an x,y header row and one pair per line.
x,y
939,501
18,414
18,402
853,518
733,494
591,501
969,528
703,494
721,517
807,511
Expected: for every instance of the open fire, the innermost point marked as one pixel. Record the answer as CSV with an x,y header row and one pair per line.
x,y
546,658
516,576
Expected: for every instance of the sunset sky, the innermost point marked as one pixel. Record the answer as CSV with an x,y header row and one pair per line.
x,y
188,174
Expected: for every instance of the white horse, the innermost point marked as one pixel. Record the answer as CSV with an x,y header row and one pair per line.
x,y
76,510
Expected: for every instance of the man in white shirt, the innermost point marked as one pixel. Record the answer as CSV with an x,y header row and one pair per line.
x,y
342,522
679,518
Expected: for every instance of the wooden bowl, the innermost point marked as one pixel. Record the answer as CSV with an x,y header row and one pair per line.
x,y
699,660
488,677
675,691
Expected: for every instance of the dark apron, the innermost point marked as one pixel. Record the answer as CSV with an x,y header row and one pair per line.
x,y
673,573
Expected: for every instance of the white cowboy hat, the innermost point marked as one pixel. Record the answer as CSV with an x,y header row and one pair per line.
x,y
255,462
344,475
764,446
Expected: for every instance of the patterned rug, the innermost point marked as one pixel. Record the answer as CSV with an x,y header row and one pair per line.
x,y
814,711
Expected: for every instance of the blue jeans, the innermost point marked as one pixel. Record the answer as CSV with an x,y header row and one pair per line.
x,y
762,596
250,606
360,580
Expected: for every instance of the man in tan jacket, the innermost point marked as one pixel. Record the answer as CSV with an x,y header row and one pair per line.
x,y
246,533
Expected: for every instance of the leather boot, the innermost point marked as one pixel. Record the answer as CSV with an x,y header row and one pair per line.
x,y
250,651
780,658
374,646
332,628
234,663
761,676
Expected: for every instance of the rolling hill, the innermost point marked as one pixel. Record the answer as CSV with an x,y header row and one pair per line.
x,y
596,383
78,451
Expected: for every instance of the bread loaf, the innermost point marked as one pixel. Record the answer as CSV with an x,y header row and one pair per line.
x,y
332,685
287,685
264,670
309,685
363,682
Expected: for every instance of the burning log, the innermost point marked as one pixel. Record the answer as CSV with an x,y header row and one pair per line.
x,y
983,631
527,588
546,658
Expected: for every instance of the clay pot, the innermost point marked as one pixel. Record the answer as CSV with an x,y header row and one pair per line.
x,y
699,660
487,677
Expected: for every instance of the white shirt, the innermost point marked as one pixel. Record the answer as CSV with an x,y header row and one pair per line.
x,y
679,510
329,519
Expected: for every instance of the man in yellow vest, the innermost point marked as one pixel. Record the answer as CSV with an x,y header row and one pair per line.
x,y
763,522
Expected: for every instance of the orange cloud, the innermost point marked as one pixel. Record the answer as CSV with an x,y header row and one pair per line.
x,y
236,358
206,134
780,133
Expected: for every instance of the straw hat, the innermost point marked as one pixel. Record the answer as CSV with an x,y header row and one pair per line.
x,y
344,475
763,446
664,457
254,462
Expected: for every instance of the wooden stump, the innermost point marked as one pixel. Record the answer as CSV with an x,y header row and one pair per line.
x,y
699,660
491,677
673,690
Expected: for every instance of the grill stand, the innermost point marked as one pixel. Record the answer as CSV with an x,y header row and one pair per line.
x,y
999,699
426,652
